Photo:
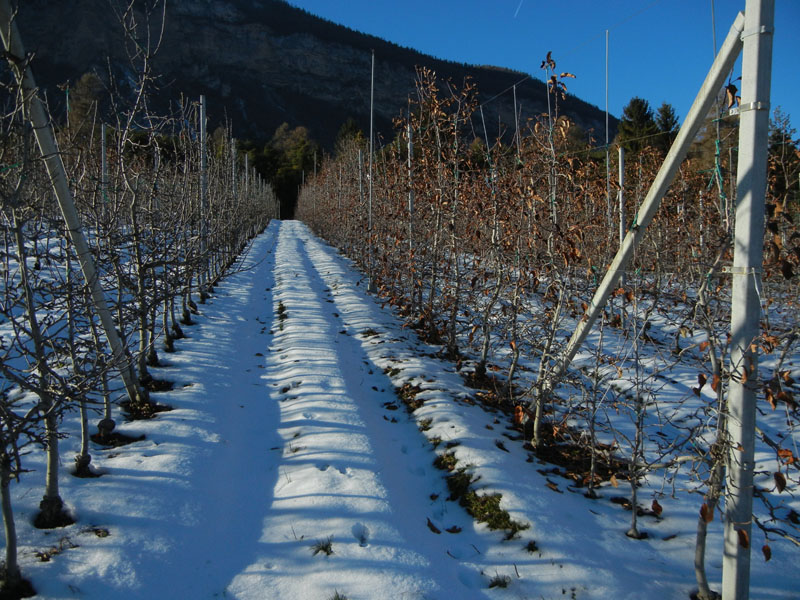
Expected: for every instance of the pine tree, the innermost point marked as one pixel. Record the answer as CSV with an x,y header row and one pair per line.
x,y
637,127
784,159
667,123
347,132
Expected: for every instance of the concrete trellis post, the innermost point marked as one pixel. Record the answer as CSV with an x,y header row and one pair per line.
x,y
751,185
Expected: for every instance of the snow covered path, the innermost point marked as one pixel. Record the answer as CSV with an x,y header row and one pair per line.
x,y
287,433
339,479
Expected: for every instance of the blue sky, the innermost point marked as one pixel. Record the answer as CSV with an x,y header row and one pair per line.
x,y
659,50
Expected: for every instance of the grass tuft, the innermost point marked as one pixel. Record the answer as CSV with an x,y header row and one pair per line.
x,y
458,483
500,581
484,509
282,316
446,461
323,546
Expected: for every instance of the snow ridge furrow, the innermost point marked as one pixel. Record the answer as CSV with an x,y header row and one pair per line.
x,y
329,486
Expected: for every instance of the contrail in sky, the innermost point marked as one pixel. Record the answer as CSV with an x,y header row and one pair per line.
x,y
520,6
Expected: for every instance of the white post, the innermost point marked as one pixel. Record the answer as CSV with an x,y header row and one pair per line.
x,y
609,219
410,189
246,174
360,180
516,123
621,203
58,178
103,164
233,166
621,195
751,184
203,196
696,117
360,177
370,284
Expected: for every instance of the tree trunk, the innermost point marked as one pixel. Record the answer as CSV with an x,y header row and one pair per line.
x,y
83,459
12,574
106,425
141,296
541,392
711,501
52,513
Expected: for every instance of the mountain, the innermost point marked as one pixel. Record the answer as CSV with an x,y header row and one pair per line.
x,y
261,63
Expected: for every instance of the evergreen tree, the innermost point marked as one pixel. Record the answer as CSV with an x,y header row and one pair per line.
x,y
289,159
716,143
286,161
347,132
784,159
637,127
84,104
667,123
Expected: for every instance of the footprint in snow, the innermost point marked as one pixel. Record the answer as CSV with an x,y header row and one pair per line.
x,y
361,533
456,552
470,578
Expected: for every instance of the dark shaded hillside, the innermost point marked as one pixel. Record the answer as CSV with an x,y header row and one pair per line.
x,y
262,63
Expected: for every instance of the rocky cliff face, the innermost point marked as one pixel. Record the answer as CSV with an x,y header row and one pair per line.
x,y
259,62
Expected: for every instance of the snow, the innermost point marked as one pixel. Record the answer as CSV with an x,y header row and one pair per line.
x,y
287,433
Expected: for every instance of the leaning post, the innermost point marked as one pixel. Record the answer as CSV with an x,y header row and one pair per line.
x,y
43,131
705,98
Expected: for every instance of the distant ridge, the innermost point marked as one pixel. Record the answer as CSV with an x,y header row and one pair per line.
x,y
264,62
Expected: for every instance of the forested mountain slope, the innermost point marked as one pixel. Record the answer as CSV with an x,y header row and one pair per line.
x,y
261,63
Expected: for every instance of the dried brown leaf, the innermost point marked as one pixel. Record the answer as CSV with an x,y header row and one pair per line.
x,y
786,454
657,508
771,398
707,513
744,538
433,527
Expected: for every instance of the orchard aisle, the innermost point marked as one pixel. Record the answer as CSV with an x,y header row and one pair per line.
x,y
348,477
